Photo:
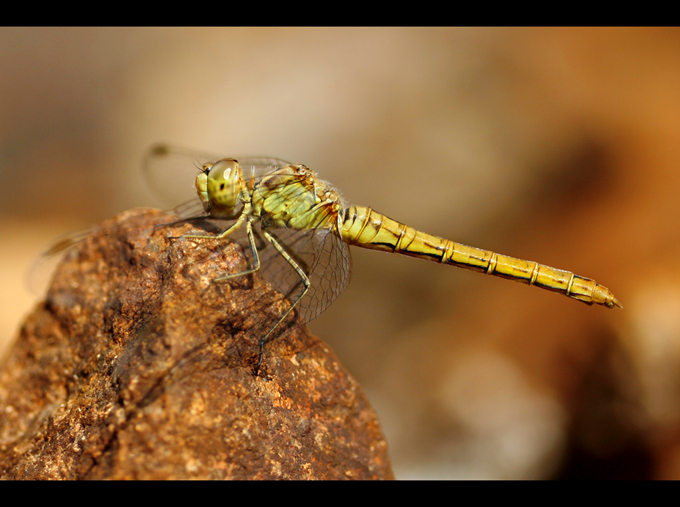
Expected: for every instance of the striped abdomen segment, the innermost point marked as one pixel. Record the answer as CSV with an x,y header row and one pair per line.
x,y
368,229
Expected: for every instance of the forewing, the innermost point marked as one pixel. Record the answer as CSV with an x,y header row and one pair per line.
x,y
42,270
193,208
256,167
170,171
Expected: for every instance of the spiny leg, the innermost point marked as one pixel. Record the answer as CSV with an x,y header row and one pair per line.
x,y
305,281
178,222
244,214
256,257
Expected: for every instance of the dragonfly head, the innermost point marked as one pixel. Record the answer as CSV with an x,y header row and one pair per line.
x,y
219,186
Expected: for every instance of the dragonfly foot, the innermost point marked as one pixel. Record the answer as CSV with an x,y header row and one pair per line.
x,y
198,237
259,362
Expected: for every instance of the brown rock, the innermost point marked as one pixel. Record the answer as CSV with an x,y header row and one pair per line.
x,y
138,367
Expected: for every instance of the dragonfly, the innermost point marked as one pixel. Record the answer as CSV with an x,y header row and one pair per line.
x,y
298,230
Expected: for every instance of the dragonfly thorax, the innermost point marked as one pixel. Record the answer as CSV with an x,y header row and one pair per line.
x,y
219,186
294,197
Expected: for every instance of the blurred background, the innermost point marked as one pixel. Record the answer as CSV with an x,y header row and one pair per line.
x,y
555,145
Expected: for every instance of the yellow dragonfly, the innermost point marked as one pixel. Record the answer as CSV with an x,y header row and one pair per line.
x,y
298,229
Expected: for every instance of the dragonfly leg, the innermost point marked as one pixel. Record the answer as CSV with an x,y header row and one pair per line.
x,y
256,257
177,222
305,281
245,214
224,234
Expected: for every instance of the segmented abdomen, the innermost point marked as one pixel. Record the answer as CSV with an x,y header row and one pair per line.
x,y
369,229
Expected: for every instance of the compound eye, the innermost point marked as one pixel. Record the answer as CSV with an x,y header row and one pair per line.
x,y
225,171
224,184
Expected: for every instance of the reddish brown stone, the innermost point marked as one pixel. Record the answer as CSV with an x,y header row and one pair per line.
x,y
138,367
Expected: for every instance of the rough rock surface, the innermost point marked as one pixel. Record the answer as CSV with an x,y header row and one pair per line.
x,y
137,366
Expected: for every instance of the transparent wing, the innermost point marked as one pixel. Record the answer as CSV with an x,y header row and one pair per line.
x,y
39,275
322,255
170,172
256,167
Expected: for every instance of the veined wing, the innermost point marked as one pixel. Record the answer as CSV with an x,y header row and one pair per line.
x,y
170,172
40,273
321,252
323,256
